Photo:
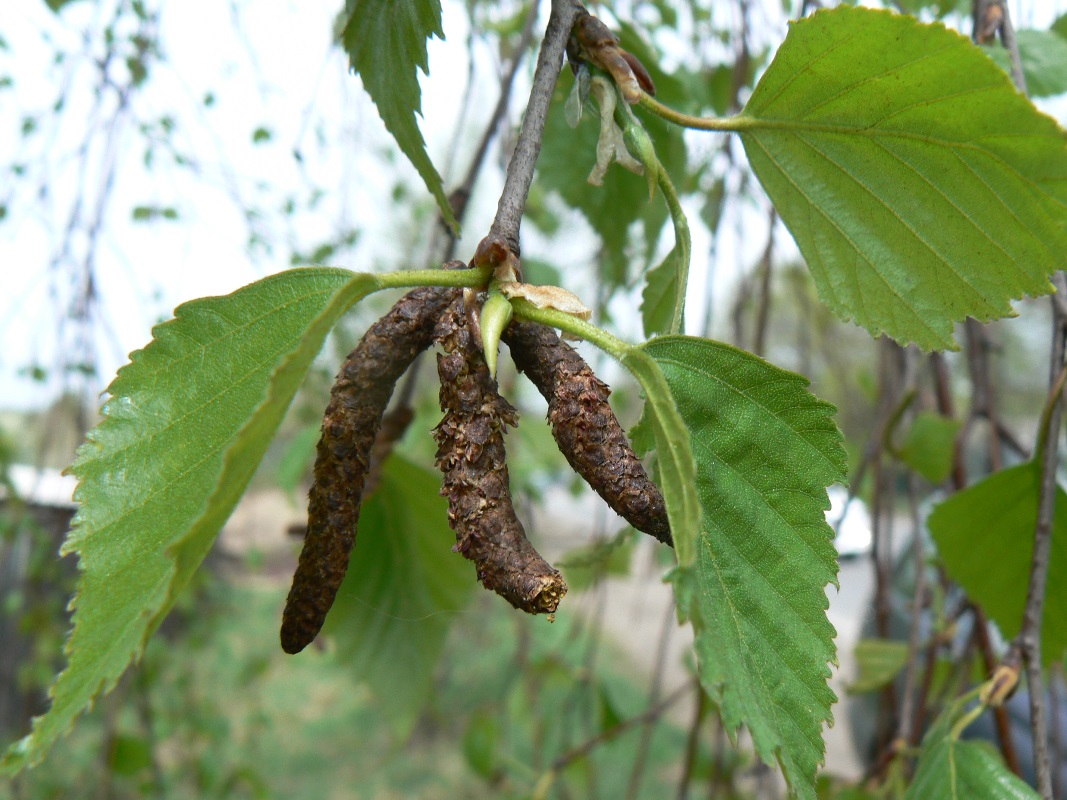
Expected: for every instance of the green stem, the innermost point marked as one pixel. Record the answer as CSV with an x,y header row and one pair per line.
x,y
1046,414
682,240
459,278
612,345
734,124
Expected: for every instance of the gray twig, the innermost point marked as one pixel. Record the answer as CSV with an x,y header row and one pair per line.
x,y
512,201
461,195
1007,35
1029,641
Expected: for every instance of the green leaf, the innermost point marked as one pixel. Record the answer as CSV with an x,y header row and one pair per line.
x,y
929,447
403,590
950,769
985,535
657,300
1059,27
1044,60
879,662
187,423
386,45
919,185
765,450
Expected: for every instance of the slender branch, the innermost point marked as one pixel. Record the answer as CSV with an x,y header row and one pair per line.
x,y
1007,35
1054,685
764,308
1029,639
692,743
648,726
584,749
512,201
908,695
1000,712
461,194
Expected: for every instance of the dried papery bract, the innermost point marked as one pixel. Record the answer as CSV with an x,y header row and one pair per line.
x,y
586,429
471,455
349,429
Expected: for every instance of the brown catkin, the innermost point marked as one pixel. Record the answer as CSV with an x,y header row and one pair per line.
x,y
349,429
586,429
471,455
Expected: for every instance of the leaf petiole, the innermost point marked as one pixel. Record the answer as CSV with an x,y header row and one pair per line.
x,y
734,124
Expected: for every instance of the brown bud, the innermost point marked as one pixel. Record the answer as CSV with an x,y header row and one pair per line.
x,y
471,455
599,46
349,429
592,33
639,71
586,429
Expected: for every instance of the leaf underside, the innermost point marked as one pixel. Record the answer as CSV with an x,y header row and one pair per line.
x,y
386,45
919,185
187,423
765,450
985,536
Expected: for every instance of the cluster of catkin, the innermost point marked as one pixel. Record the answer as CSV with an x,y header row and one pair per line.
x,y
470,454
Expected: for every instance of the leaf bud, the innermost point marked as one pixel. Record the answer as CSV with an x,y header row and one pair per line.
x,y
496,314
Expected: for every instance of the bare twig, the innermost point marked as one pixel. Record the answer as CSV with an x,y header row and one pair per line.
x,y
1007,35
1055,709
1000,713
907,705
656,689
1029,640
461,194
692,742
946,408
512,201
584,749
766,268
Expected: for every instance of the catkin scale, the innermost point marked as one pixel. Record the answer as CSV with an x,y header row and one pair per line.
x,y
586,429
349,428
471,456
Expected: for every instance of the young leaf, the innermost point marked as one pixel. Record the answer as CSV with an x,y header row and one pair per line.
x,y
658,298
985,535
403,589
765,450
386,43
919,185
187,423
952,769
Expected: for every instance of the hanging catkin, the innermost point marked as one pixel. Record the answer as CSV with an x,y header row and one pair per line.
x,y
470,453
349,428
586,429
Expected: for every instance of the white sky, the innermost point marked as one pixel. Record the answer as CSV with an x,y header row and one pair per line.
x,y
266,63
